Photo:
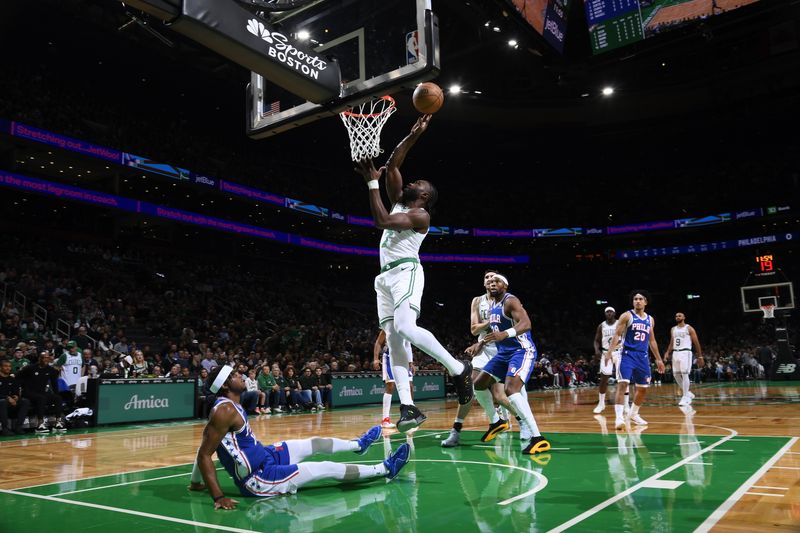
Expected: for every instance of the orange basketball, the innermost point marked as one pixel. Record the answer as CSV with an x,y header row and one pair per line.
x,y
428,98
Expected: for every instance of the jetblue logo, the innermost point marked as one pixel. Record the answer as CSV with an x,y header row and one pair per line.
x,y
203,180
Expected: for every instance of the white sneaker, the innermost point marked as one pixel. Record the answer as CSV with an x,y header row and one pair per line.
x,y
387,423
684,401
600,407
619,423
638,420
690,397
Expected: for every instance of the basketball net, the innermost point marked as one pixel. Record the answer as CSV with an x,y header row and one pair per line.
x,y
769,311
364,123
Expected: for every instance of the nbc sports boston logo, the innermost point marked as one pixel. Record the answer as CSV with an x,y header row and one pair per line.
x,y
278,47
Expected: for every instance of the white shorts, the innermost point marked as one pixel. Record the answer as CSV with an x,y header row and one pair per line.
x,y
682,362
607,369
395,286
483,357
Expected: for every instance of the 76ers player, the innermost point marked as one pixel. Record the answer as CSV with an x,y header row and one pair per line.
x,y
516,355
264,471
635,329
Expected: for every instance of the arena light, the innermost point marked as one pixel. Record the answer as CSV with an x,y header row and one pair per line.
x,y
303,35
608,91
454,89
512,43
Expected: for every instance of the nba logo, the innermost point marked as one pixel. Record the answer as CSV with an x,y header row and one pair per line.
x,y
412,47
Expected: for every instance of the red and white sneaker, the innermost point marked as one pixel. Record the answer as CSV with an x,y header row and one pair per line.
x,y
387,423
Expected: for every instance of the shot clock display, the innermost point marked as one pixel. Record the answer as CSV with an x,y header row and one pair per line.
x,y
766,264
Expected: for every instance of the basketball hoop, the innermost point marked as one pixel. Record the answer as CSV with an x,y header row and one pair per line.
x,y
769,310
364,123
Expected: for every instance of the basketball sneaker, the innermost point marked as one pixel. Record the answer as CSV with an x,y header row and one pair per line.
x,y
453,440
387,423
59,427
463,383
690,396
42,428
683,401
638,420
536,445
395,462
366,440
494,430
600,408
410,417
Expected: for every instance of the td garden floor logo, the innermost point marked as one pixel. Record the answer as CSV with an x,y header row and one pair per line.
x,y
279,48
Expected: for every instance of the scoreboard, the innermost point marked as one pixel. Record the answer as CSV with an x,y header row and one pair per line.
x,y
765,265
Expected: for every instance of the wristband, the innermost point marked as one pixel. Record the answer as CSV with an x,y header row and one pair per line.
x,y
373,184
218,498
511,332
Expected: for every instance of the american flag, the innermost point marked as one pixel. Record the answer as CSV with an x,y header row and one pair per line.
x,y
274,107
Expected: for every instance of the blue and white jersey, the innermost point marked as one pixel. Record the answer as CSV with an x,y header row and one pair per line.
x,y
498,321
239,452
637,335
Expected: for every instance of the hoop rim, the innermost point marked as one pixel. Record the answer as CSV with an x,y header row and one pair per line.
x,y
372,115
768,310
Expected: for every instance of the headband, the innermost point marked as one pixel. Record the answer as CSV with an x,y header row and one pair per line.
x,y
501,278
609,308
222,377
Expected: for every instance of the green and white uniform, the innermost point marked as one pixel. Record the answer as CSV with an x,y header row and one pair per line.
x,y
71,365
489,350
401,277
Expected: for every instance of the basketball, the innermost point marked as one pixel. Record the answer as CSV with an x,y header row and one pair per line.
x,y
428,98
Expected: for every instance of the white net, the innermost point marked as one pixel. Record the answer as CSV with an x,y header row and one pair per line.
x,y
769,311
364,123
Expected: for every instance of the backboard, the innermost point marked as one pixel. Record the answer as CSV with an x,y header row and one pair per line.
x,y
381,46
755,295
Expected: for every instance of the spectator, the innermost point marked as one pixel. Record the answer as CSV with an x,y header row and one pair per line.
x,y
20,361
252,386
292,390
11,400
310,391
267,385
323,383
284,398
122,345
82,340
139,368
88,362
174,372
39,385
209,363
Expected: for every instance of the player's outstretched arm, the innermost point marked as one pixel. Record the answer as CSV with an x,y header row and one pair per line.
x,y
522,322
394,180
697,348
378,348
220,423
598,341
668,352
654,346
416,219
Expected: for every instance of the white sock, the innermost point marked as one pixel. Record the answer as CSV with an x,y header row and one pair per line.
x,y
398,358
405,323
308,472
485,399
619,410
387,404
504,414
628,400
523,409
685,384
601,397
634,410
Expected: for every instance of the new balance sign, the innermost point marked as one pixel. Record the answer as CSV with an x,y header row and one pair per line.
x,y
786,368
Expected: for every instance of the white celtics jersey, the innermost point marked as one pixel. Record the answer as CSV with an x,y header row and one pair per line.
x,y
484,310
608,333
681,341
400,244
71,368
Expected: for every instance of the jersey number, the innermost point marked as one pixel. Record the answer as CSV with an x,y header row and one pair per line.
x,y
678,341
639,336
74,369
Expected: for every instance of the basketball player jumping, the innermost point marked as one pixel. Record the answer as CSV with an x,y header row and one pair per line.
x,y
602,339
682,338
516,355
479,325
381,359
401,280
635,330
264,471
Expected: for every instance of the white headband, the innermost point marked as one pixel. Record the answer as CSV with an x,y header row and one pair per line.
x,y
609,308
222,377
501,278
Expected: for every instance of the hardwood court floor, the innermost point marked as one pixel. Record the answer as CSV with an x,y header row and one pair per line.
x,y
734,465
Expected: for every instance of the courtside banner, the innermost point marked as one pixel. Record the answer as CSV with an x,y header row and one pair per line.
x,y
368,388
145,400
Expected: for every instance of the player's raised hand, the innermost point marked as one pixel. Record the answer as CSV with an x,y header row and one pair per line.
x,y
367,170
421,125
225,503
